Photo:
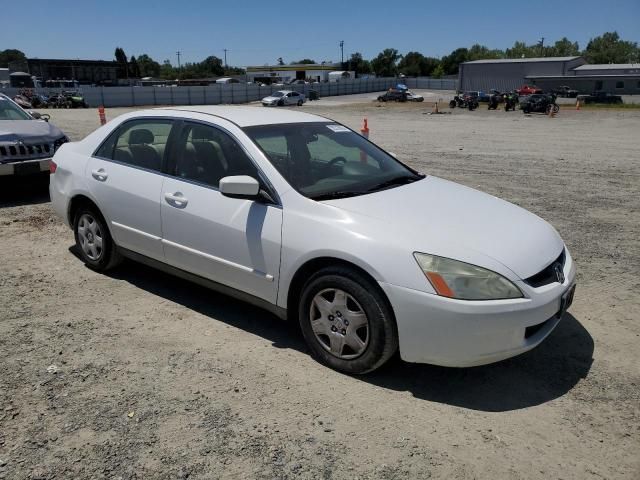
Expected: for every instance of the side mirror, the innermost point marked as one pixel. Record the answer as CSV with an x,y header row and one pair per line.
x,y
240,186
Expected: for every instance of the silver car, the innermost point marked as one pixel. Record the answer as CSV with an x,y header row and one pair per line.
x,y
27,140
284,97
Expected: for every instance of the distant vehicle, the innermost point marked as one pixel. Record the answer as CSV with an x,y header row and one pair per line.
x,y
528,90
284,97
400,95
600,97
539,103
227,80
27,140
565,91
480,96
464,101
298,82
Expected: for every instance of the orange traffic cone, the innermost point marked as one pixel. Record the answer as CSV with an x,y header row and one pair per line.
x,y
365,133
101,115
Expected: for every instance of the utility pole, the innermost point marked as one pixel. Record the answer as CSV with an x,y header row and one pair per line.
x,y
342,51
541,43
179,67
225,58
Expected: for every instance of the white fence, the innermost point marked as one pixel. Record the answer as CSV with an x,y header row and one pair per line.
x,y
234,93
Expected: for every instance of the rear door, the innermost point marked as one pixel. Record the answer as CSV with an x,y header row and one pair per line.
x,y
124,176
231,241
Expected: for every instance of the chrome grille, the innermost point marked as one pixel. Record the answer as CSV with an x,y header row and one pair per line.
x,y
12,152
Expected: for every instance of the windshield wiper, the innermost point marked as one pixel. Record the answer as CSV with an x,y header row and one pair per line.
x,y
402,180
338,194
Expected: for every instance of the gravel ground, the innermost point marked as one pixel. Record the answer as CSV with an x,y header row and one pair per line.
x,y
138,375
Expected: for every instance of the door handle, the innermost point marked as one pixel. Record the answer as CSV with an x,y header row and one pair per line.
x,y
176,199
99,174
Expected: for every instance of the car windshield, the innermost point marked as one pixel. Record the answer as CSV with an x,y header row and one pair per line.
x,y
10,111
327,160
277,94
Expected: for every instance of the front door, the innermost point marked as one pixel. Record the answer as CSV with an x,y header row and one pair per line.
x,y
234,242
124,176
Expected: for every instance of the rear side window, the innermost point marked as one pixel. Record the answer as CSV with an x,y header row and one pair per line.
x,y
139,143
205,154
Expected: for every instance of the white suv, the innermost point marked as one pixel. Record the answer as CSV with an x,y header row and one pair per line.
x,y
302,216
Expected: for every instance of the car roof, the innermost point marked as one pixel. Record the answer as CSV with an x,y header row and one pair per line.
x,y
250,116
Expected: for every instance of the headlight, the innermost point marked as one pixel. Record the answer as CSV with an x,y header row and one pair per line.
x,y
463,281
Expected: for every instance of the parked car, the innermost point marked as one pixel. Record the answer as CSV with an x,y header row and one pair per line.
x,y
27,140
539,103
284,97
400,95
565,91
227,80
528,90
600,97
300,215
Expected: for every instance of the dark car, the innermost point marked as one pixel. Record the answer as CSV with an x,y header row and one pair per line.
x,y
600,97
27,140
393,95
539,103
565,91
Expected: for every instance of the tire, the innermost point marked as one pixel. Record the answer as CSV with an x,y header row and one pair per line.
x,y
280,103
556,108
88,226
452,104
299,103
374,342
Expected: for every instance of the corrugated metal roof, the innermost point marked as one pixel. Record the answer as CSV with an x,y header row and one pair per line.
x,y
525,60
608,66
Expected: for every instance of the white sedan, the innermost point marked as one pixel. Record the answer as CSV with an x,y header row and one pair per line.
x,y
284,97
304,217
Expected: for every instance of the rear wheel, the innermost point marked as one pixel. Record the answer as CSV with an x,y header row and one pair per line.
x,y
452,104
299,103
346,321
94,241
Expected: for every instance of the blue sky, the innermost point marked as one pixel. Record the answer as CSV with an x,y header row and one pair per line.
x,y
258,32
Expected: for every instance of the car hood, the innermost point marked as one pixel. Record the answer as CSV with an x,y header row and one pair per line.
x,y
31,131
443,218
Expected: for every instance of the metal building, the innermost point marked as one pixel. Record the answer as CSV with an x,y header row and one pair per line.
x,y
509,74
287,73
621,79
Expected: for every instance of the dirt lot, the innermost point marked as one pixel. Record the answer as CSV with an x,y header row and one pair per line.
x,y
139,375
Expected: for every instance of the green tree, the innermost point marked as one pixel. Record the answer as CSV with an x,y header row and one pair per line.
x,y
148,66
358,64
565,48
386,63
438,72
304,61
415,64
520,50
450,62
211,67
167,71
608,48
480,52
280,61
134,69
123,64
11,55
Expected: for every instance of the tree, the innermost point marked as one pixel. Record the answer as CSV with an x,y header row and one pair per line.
x,y
123,64
134,69
415,64
358,64
450,62
167,71
11,55
480,52
608,48
565,48
280,61
520,50
304,61
212,66
438,72
148,66
385,64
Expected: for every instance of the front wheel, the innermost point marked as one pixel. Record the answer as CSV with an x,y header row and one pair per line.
x,y
93,240
299,103
346,321
452,104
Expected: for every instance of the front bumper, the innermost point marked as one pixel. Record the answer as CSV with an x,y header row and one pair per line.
x,y
458,333
25,167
